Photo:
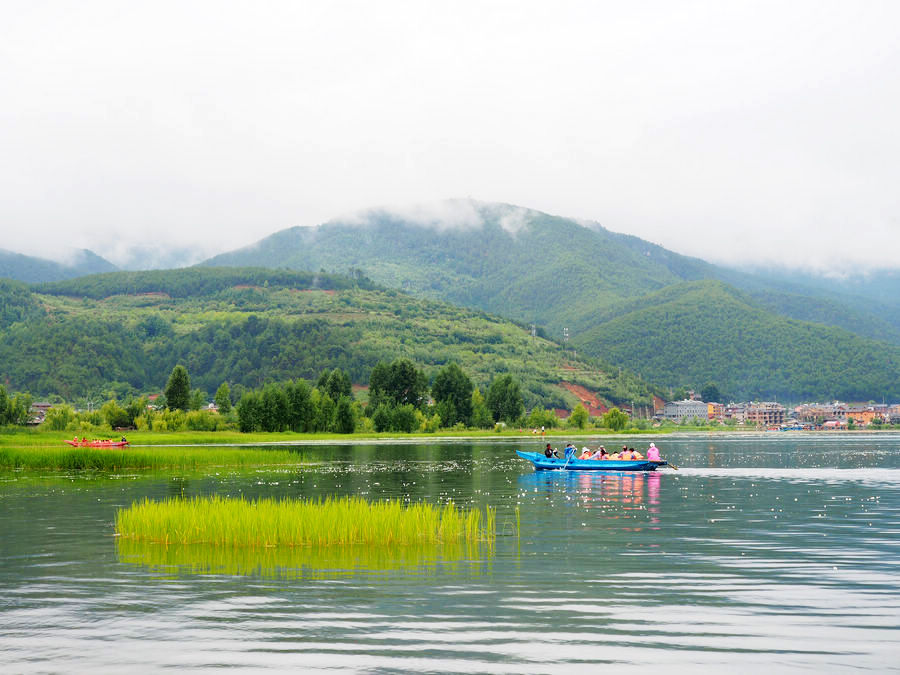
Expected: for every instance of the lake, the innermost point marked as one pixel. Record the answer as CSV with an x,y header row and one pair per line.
x,y
776,551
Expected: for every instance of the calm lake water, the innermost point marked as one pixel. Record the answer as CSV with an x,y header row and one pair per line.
x,y
778,552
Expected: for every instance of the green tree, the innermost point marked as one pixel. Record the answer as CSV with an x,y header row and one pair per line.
x,y
301,414
711,393
178,389
335,383
381,418
223,398
446,413
403,418
541,417
399,383
115,415
379,379
135,408
4,406
249,409
615,419
579,417
504,400
274,408
324,412
344,416
59,417
481,416
453,388
19,409
198,399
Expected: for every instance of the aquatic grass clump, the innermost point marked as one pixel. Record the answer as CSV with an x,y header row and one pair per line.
x,y
342,521
116,459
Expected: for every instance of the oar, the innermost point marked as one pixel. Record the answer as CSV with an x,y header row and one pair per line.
x,y
668,463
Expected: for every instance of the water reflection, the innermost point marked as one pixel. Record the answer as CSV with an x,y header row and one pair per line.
x,y
630,489
775,552
305,562
631,497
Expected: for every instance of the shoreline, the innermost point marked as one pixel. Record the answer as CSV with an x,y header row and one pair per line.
x,y
21,438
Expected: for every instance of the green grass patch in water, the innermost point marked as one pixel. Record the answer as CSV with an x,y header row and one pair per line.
x,y
265,523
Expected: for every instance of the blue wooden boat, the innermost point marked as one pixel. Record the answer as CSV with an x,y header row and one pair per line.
x,y
542,463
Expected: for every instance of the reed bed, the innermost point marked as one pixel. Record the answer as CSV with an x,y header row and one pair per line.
x,y
116,459
343,521
298,562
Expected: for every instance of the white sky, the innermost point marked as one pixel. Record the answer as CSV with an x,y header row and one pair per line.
x,y
735,131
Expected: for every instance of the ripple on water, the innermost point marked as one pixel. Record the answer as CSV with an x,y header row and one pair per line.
x,y
764,554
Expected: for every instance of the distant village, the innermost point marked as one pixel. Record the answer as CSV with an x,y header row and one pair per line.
x,y
772,415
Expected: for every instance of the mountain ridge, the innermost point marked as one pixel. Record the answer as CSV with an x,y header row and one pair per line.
x,y
32,269
562,274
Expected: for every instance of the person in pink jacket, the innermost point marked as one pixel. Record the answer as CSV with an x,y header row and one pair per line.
x,y
653,453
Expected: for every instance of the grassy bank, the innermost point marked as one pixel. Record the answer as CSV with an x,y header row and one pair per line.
x,y
117,459
345,521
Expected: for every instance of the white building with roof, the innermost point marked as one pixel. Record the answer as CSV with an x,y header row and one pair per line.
x,y
677,411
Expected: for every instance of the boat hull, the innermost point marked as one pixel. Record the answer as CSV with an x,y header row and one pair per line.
x,y
542,463
98,444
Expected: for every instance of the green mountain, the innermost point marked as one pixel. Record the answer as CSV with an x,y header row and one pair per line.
x,y
125,331
877,287
30,269
559,273
707,331
522,264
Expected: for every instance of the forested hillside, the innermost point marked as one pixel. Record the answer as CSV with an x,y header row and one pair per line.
x,y
520,263
126,330
706,331
562,274
30,269
17,303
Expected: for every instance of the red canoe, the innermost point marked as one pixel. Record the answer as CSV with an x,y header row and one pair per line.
x,y
97,444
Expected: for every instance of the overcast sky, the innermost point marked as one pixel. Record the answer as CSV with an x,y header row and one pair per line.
x,y
734,131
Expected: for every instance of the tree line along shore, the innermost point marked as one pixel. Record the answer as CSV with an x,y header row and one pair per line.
x,y
399,399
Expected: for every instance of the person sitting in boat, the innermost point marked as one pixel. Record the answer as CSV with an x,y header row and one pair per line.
x,y
635,454
625,454
570,450
653,453
551,452
124,440
600,454
585,453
